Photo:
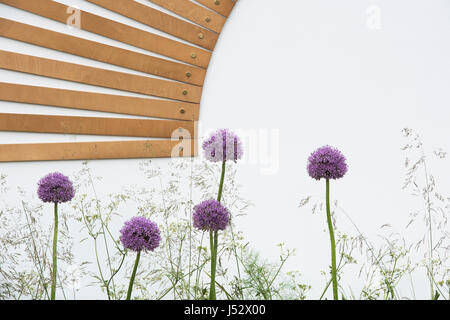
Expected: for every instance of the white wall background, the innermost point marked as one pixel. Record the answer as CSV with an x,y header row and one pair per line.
x,y
311,73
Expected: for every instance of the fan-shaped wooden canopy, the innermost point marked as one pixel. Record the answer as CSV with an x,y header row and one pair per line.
x,y
179,79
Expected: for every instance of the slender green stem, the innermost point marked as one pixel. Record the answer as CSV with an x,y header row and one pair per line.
x,y
197,276
430,228
116,271
103,233
190,230
216,250
222,178
39,266
219,198
333,244
61,285
326,288
97,259
55,253
236,258
212,286
213,239
133,275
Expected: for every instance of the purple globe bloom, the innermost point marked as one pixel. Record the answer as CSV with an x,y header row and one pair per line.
x,y
327,162
222,145
210,215
55,187
140,234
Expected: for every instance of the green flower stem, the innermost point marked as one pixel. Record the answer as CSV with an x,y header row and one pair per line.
x,y
55,254
222,178
212,286
214,243
333,244
133,275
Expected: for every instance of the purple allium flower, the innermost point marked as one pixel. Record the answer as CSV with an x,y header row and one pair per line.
x,y
140,234
222,145
210,215
55,187
327,162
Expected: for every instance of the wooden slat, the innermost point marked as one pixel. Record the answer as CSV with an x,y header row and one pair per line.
x,y
99,77
101,52
194,13
92,125
117,31
94,150
161,21
98,102
224,7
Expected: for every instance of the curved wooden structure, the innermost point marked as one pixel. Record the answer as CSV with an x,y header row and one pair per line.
x,y
174,94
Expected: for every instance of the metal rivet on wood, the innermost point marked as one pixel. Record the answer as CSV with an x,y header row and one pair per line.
x,y
193,12
174,82
98,51
99,77
115,30
98,102
161,21
224,7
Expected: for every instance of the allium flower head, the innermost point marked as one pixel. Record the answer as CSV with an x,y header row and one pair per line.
x,y
55,187
140,234
222,145
210,215
327,162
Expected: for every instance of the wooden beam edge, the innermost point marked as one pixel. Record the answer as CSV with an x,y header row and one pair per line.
x,y
97,150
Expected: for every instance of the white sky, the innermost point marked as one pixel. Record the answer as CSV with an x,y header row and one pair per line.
x,y
311,73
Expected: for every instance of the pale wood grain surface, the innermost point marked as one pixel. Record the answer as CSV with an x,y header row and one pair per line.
x,y
193,12
101,52
224,7
161,21
95,150
98,102
99,77
117,31
93,125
